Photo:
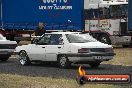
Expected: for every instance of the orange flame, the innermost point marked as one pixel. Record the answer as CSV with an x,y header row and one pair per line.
x,y
81,71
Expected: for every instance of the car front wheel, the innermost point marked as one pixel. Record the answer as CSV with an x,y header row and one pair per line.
x,y
23,58
63,61
94,64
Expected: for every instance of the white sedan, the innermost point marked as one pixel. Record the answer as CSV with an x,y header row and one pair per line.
x,y
7,48
66,48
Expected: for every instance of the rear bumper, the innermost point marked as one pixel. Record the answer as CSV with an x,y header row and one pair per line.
x,y
90,57
90,54
5,53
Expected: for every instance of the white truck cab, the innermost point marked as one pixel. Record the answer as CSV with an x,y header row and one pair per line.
x,y
107,21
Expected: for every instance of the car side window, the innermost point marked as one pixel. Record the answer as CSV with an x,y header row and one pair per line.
x,y
51,39
56,39
45,40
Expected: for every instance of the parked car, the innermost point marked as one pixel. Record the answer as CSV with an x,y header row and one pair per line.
x,y
7,48
66,48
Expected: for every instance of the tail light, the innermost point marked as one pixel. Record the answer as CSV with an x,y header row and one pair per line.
x,y
109,50
83,50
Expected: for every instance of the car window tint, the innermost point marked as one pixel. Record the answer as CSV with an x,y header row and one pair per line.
x,y
80,38
51,39
45,40
55,39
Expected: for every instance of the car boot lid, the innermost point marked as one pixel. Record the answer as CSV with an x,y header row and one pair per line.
x,y
92,45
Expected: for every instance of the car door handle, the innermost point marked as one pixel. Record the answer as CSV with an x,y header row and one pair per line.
x,y
59,47
43,47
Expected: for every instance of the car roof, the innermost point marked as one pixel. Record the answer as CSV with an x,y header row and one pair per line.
x,y
64,33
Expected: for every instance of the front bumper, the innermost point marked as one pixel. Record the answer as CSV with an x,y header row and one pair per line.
x,y
90,57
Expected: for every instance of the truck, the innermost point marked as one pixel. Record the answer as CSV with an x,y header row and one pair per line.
x,y
105,20
19,17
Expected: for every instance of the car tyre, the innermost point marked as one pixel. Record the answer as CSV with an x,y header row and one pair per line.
x,y
105,39
94,64
24,59
63,61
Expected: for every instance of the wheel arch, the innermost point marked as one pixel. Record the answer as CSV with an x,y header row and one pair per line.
x,y
26,60
58,55
67,63
25,52
21,51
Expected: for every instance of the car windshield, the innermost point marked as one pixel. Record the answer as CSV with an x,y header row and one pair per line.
x,y
118,10
80,38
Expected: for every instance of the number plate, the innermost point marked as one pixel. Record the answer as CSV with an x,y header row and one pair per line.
x,y
97,57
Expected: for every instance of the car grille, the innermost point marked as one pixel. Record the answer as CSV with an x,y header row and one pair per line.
x,y
97,50
8,46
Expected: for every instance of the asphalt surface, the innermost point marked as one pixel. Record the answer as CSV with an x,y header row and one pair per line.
x,y
12,66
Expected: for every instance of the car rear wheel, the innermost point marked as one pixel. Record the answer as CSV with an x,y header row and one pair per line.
x,y
23,58
63,61
94,64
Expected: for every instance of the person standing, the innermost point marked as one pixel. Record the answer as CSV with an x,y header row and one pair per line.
x,y
40,29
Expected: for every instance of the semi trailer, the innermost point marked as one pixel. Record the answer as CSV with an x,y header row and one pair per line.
x,y
23,16
105,20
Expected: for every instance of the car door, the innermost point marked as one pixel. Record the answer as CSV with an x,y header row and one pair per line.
x,y
38,50
54,47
